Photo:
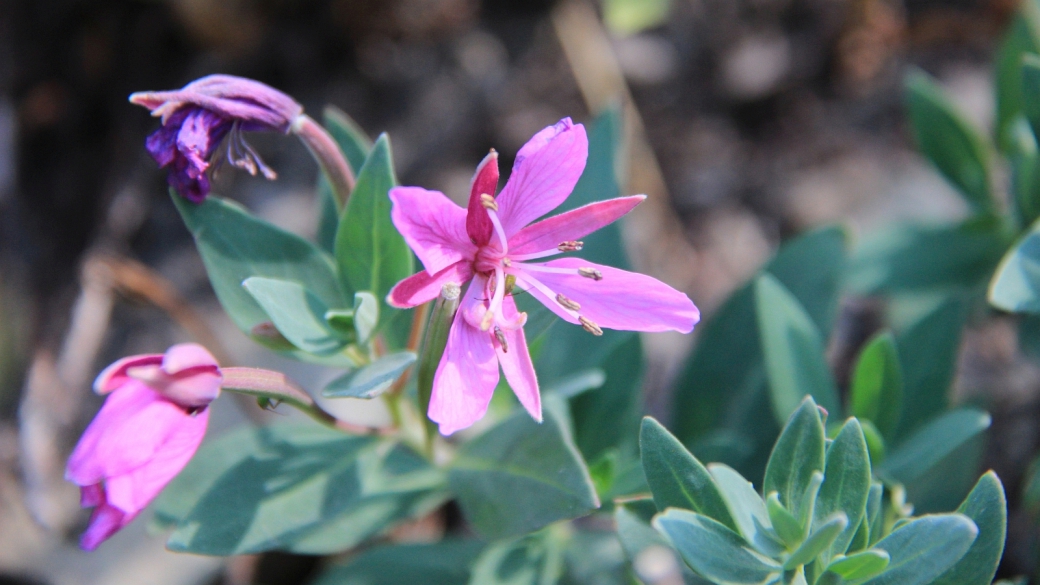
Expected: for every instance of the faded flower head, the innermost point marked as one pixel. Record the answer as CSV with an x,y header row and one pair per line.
x,y
198,117
490,245
150,426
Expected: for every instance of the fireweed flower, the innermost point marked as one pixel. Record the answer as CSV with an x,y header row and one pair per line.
x,y
198,117
491,246
150,426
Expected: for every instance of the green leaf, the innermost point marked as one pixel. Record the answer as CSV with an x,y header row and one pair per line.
x,y
714,551
928,354
297,313
799,452
351,139
916,456
787,527
987,507
617,405
1031,492
536,559
924,548
820,539
304,489
366,315
877,384
1025,171
747,509
234,246
627,17
371,254
721,399
875,510
846,484
1022,37
371,380
441,563
793,351
676,478
1016,282
578,383
521,475
861,565
633,520
919,258
949,141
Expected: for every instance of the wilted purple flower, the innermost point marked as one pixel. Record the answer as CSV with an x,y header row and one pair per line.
x,y
197,118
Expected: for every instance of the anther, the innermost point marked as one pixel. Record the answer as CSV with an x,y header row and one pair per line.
x,y
507,262
488,202
590,273
485,323
590,326
501,337
571,246
567,303
510,283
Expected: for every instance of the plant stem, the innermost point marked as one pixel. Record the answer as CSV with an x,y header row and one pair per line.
x,y
328,154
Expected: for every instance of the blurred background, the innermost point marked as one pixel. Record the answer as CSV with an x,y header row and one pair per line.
x,y
748,121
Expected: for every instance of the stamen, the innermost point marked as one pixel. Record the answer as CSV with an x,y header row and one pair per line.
x,y
571,246
507,262
546,291
496,301
488,202
590,326
592,273
567,303
499,230
510,283
501,337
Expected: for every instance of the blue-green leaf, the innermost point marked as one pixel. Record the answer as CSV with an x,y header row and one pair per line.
x,y
521,475
1023,36
355,146
949,141
1016,282
616,405
861,565
917,455
793,351
536,559
820,539
876,392
799,452
746,508
846,484
297,313
440,563
371,380
987,507
924,548
714,551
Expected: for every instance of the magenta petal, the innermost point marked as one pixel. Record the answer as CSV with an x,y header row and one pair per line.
x,y
184,356
621,300
485,181
517,366
104,522
433,226
572,225
129,429
114,376
91,495
421,287
468,372
544,174
133,490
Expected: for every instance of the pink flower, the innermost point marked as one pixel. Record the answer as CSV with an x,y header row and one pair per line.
x,y
490,245
197,118
148,429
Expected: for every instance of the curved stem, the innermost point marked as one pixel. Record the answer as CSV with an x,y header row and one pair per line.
x,y
328,154
276,386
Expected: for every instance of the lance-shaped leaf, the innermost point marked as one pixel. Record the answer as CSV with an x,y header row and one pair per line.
x,y
747,509
957,149
536,558
987,507
676,478
924,548
928,446
371,380
714,551
846,484
820,539
441,563
297,313
861,565
355,146
521,475
1022,37
799,452
234,246
877,384
371,254
1016,283
793,351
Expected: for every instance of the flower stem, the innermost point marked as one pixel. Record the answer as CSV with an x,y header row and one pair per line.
x,y
328,154
276,386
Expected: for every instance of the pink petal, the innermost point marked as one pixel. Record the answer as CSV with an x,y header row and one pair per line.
x,y
421,287
91,495
468,372
114,376
104,522
184,356
621,300
127,432
433,226
544,174
572,225
132,491
517,366
485,181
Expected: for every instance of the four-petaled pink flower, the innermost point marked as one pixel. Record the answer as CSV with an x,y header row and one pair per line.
x,y
197,118
150,426
490,245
